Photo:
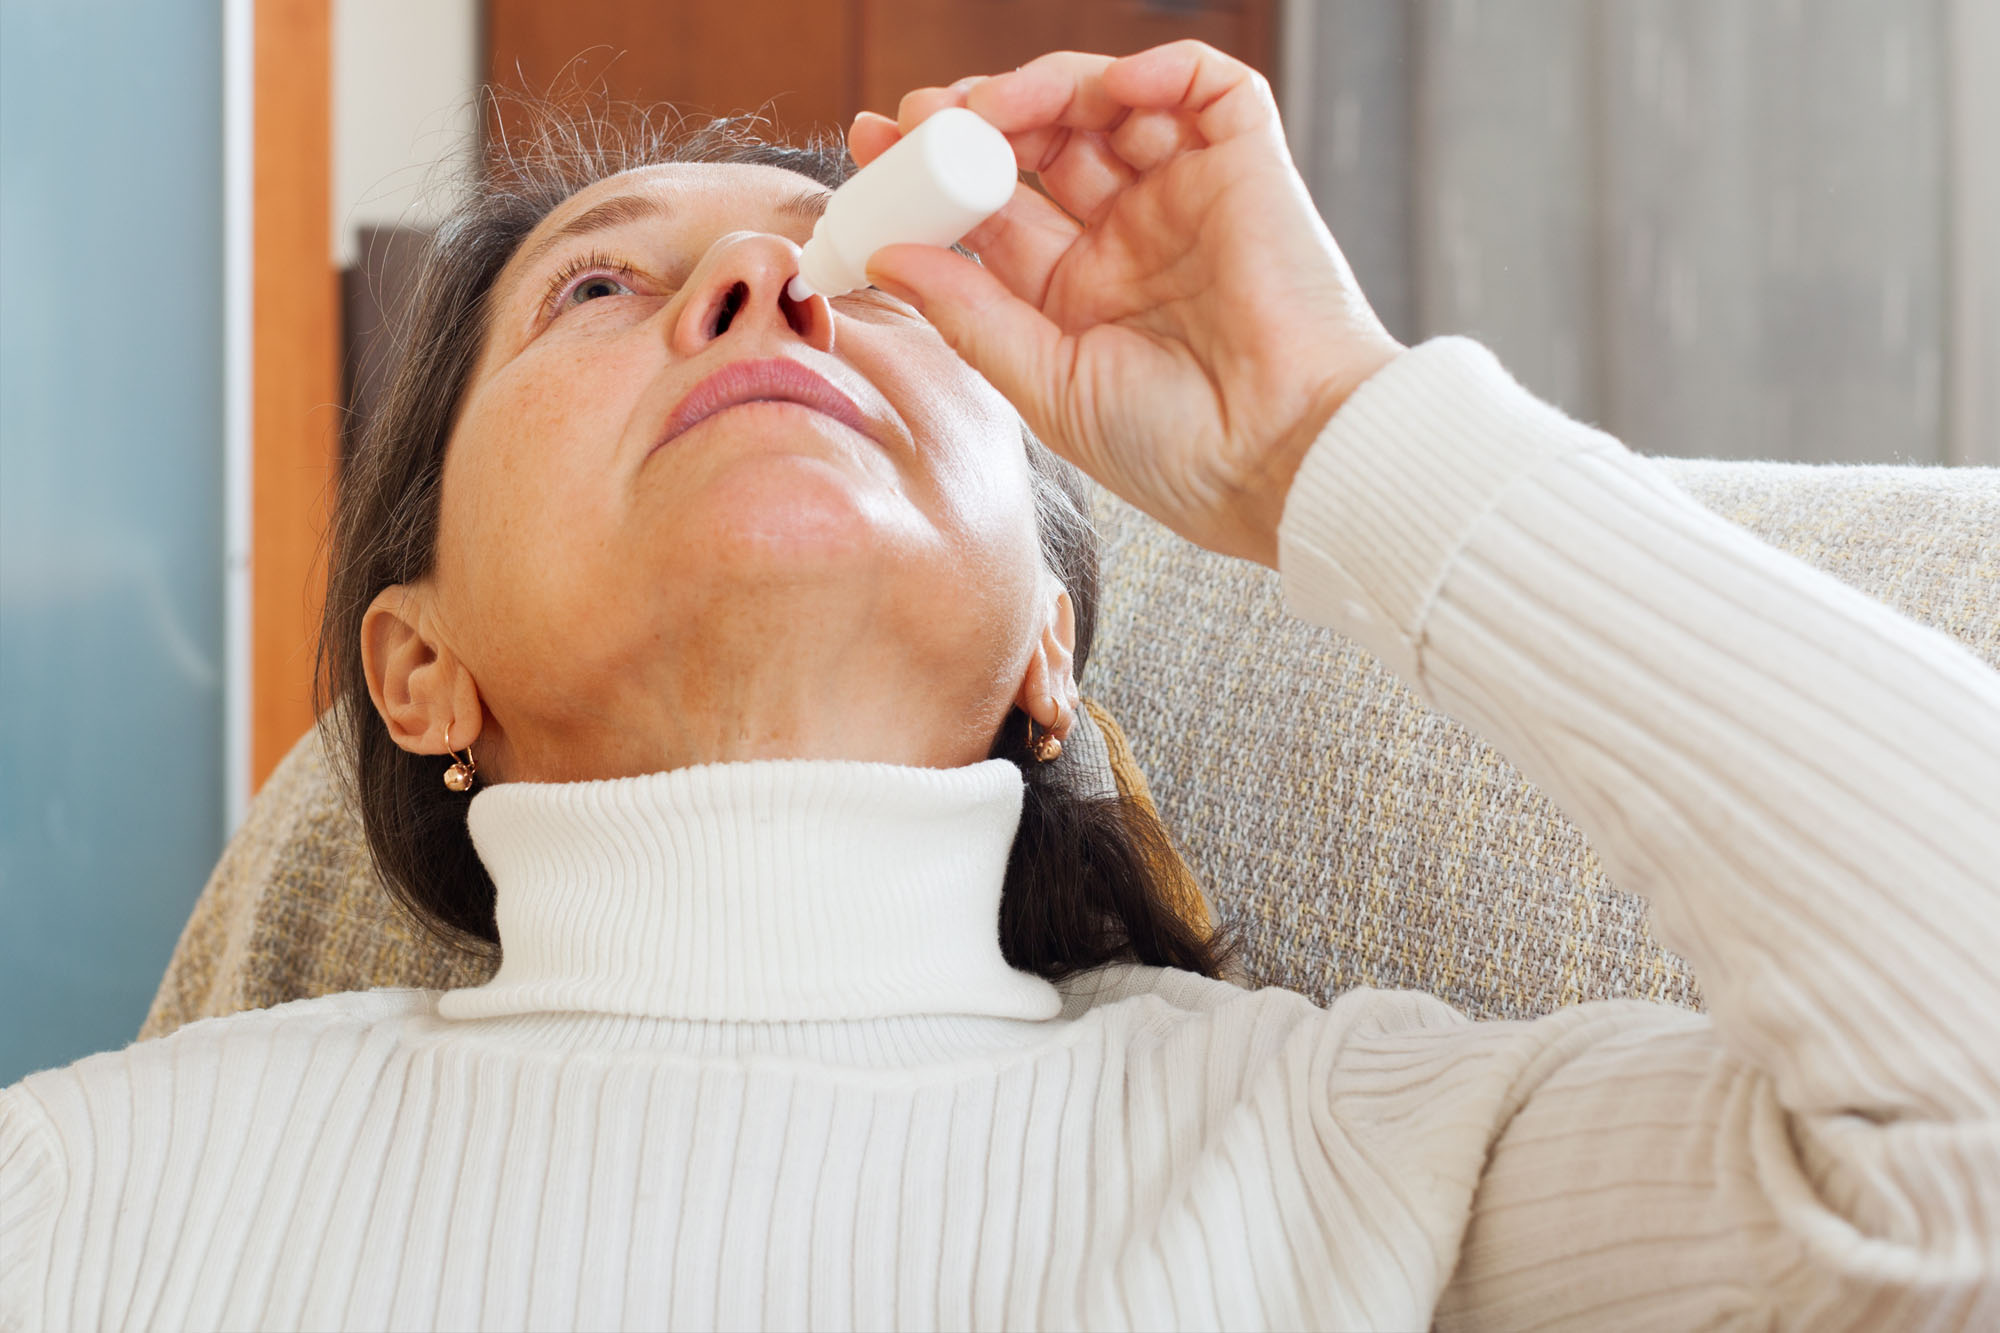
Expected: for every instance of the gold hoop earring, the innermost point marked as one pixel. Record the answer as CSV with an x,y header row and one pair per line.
x,y
1047,748
459,776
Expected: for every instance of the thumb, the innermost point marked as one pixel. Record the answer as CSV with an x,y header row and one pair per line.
x,y
997,333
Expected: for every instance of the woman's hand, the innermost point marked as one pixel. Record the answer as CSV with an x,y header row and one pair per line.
x,y
1183,325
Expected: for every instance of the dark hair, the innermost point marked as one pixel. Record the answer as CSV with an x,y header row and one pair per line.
x,y
1090,877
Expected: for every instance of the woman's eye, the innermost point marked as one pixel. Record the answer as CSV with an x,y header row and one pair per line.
x,y
596,285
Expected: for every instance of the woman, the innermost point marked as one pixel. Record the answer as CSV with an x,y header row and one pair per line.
x,y
741,647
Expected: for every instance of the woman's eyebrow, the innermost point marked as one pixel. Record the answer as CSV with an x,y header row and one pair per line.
x,y
621,209
616,211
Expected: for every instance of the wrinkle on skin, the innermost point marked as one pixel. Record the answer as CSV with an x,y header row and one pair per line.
x,y
768,584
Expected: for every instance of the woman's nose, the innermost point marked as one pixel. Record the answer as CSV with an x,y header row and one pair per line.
x,y
740,288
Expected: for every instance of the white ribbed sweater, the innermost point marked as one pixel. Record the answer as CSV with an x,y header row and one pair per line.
x,y
754,1059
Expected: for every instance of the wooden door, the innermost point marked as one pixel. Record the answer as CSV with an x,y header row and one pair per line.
x,y
817,62
905,44
791,58
294,365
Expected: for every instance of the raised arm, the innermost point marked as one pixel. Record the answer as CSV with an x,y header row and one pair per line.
x,y
1804,785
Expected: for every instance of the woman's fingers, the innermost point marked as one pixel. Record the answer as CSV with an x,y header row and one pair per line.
x,y
1063,88
1085,175
870,136
1225,97
1152,136
920,104
1144,109
1030,149
1090,125
1022,243
1222,96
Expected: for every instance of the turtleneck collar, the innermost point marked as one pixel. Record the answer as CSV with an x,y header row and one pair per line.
x,y
774,891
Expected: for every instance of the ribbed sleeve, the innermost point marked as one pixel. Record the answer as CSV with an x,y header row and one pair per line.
x,y
1805,786
30,1188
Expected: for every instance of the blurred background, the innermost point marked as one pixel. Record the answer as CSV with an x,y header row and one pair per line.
x,y
1727,228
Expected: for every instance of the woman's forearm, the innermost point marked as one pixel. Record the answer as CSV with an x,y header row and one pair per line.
x,y
1805,785
1749,743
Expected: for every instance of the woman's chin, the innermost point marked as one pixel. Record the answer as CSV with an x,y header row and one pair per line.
x,y
797,507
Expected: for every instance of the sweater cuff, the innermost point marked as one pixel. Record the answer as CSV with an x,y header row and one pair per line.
x,y
1393,487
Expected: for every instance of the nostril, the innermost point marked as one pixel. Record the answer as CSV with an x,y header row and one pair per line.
x,y
797,313
732,301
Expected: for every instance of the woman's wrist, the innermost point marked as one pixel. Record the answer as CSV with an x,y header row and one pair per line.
x,y
1268,491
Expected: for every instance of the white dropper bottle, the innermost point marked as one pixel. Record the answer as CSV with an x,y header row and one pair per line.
x,y
930,187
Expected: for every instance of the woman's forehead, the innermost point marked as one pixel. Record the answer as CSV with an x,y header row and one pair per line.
x,y
691,184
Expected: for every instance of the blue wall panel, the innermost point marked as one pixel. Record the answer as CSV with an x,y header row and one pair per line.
x,y
111,514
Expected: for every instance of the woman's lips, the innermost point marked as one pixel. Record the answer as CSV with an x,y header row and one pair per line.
x,y
765,379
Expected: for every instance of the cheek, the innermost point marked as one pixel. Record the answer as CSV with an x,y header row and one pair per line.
x,y
970,439
986,510
550,428
528,501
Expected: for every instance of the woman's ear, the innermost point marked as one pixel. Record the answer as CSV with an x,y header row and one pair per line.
x,y
1049,692
419,687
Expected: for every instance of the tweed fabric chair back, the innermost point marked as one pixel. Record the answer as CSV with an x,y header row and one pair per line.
x,y
1358,838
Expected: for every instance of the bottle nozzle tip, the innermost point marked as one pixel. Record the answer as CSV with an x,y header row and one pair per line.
x,y
798,289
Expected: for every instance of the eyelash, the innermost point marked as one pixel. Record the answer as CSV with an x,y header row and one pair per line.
x,y
558,284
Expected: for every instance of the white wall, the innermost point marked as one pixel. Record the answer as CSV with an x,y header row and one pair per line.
x,y
404,74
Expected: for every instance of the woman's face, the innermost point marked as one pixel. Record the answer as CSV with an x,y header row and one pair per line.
x,y
687,519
